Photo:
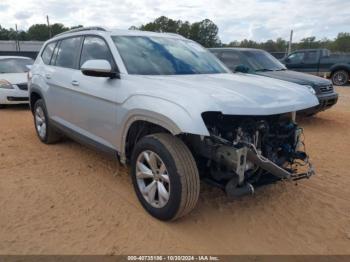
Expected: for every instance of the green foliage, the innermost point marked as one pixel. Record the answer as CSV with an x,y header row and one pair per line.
x,y
204,32
38,32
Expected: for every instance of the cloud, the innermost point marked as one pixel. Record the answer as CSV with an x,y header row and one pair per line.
x,y
237,19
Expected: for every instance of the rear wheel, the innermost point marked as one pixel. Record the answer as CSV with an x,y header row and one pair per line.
x,y
44,129
2,106
165,176
340,77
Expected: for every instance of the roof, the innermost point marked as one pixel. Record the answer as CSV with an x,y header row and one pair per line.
x,y
14,57
235,48
103,31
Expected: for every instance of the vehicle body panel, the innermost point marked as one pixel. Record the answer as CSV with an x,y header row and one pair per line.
x,y
323,87
103,109
19,93
323,62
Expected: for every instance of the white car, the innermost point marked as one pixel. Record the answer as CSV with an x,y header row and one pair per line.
x,y
13,79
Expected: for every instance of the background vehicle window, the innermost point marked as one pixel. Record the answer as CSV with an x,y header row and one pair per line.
x,y
47,53
67,52
231,59
296,57
95,48
15,65
310,57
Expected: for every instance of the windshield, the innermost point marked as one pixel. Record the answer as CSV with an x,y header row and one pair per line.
x,y
15,65
262,61
144,55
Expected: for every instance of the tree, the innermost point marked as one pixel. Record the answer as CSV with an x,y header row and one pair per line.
x,y
341,43
204,32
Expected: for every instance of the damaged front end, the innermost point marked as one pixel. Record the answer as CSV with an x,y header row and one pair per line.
x,y
243,151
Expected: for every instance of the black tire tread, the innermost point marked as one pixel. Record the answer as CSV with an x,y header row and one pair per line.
x,y
187,170
52,136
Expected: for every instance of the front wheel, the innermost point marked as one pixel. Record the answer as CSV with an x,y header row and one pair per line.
x,y
165,176
340,78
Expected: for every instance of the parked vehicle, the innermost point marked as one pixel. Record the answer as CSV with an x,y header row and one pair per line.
x,y
320,62
172,110
13,79
260,62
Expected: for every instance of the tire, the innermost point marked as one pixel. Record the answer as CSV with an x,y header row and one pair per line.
x,y
340,77
50,135
2,106
182,183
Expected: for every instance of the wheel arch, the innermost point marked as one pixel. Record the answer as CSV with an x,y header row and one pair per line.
x,y
34,95
142,124
338,67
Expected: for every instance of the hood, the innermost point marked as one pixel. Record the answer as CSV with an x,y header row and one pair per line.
x,y
296,77
15,78
235,94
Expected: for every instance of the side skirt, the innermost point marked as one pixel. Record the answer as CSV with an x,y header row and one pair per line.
x,y
83,139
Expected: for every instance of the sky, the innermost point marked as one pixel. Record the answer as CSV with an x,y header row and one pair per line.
x,y
257,20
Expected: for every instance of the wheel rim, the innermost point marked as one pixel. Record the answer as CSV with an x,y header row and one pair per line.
x,y
339,78
40,122
153,179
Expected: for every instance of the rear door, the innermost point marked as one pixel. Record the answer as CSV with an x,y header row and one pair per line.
x,y
93,109
63,64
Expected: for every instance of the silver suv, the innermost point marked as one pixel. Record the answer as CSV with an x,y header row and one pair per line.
x,y
172,110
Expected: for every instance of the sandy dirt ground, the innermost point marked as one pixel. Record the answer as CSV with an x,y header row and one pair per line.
x,y
68,199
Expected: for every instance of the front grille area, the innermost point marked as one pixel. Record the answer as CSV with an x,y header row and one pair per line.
x,y
326,89
23,86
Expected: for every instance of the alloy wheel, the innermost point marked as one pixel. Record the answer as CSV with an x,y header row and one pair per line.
x,y
153,179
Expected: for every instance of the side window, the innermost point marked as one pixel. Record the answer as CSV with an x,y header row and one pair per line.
x,y
231,59
296,57
47,53
95,48
67,52
310,57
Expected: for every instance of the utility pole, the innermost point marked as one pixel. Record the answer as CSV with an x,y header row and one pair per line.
x,y
17,41
290,42
48,25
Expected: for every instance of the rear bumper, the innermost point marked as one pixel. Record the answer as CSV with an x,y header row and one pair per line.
x,y
326,101
13,96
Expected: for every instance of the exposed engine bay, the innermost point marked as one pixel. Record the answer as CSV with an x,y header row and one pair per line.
x,y
242,151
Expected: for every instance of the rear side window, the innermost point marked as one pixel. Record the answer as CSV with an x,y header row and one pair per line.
x,y
231,59
95,48
47,53
67,52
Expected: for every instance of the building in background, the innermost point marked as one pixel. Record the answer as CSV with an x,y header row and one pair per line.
x,y
20,48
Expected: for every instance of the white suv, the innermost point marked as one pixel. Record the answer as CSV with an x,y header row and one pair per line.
x,y
172,110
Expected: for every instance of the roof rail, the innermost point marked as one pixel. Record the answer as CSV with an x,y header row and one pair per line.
x,y
98,28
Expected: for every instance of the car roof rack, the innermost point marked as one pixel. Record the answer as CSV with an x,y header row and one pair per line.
x,y
98,28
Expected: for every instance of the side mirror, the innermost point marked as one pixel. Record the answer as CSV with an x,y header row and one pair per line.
x,y
98,68
287,60
242,69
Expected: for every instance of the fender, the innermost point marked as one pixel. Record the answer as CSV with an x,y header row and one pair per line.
x,y
164,113
340,66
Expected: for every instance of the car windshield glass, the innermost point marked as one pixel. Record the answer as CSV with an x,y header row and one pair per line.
x,y
263,61
15,65
145,55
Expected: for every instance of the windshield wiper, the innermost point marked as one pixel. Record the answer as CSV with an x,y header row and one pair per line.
x,y
263,70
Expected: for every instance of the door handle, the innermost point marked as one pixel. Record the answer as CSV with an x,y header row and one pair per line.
x,y
75,83
48,76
